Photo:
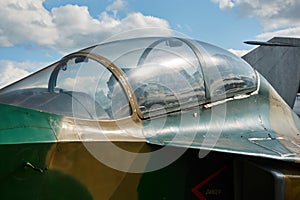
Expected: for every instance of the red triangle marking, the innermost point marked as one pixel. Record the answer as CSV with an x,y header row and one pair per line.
x,y
195,189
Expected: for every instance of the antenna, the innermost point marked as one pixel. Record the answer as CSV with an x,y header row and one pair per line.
x,y
270,44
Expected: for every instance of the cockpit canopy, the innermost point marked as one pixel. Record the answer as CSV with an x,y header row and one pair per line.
x,y
148,76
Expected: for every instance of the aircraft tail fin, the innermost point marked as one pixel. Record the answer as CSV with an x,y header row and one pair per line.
x,y
278,60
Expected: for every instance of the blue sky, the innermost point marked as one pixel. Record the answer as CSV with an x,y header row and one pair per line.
x,y
34,33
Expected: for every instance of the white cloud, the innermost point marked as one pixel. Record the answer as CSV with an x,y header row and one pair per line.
x,y
272,14
12,71
239,53
68,27
26,20
116,6
224,4
288,32
277,17
65,28
88,31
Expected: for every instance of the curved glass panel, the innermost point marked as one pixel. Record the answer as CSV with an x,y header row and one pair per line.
x,y
37,81
94,89
164,73
80,87
225,74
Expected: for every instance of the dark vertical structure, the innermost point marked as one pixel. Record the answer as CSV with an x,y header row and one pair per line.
x,y
278,60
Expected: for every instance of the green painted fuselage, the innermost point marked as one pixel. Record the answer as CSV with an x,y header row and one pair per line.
x,y
37,164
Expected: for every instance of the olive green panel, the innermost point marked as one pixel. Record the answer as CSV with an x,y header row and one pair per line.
x,y
21,125
24,175
292,187
27,138
103,182
258,125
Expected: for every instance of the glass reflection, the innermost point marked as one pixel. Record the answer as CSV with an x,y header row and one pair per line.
x,y
166,75
226,74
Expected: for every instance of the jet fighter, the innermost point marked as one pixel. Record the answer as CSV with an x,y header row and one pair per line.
x,y
148,118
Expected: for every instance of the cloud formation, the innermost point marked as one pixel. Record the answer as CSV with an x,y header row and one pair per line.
x,y
67,27
116,6
224,4
277,17
64,29
26,20
12,71
239,53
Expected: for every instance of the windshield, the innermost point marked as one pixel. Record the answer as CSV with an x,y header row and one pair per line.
x,y
151,75
226,74
164,73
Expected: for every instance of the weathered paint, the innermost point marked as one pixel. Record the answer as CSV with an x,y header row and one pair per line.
x,y
102,182
58,146
50,156
69,170
256,134
21,125
279,65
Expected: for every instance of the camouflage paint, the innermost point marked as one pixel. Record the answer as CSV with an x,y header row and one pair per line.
x,y
259,133
66,169
63,168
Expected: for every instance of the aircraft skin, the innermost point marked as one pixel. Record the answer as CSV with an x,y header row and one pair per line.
x,y
48,155
277,60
